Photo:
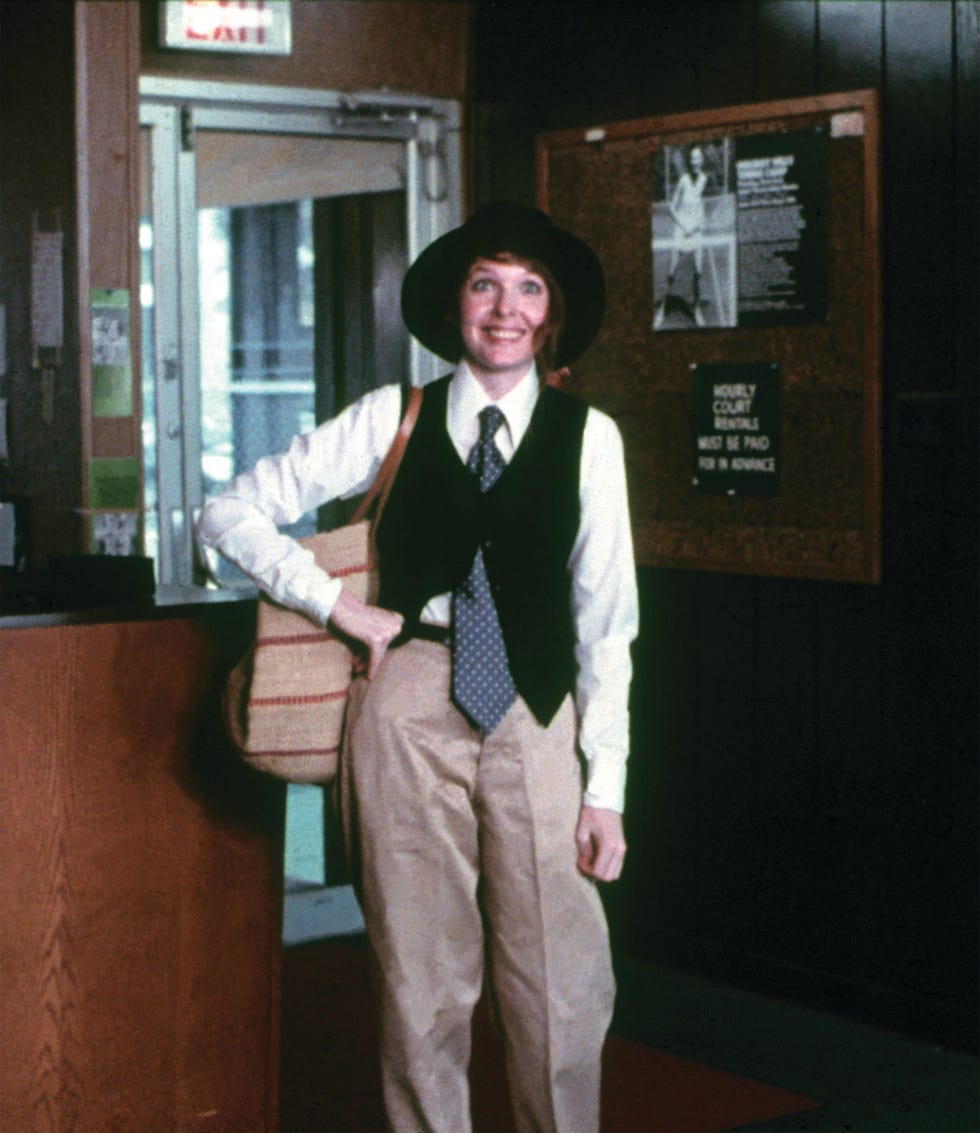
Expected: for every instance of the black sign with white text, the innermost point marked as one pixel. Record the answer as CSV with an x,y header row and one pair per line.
x,y
735,427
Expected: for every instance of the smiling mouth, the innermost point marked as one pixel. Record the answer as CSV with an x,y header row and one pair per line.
x,y
499,335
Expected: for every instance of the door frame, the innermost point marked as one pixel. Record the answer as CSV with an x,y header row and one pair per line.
x,y
172,109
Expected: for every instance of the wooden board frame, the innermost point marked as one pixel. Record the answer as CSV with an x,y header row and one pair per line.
x,y
825,521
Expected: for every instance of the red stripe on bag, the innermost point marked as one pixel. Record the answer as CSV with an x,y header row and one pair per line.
x,y
295,639
291,754
345,572
285,701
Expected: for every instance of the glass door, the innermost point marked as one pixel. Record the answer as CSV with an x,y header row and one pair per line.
x,y
276,226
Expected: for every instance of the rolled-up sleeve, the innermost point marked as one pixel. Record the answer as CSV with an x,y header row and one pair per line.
x,y
335,461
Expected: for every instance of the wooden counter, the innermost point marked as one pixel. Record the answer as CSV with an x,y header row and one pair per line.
x,y
140,881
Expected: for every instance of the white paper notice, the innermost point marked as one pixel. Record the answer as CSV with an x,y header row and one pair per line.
x,y
47,302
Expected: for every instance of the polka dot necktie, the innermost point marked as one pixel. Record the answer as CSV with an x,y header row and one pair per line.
x,y
482,685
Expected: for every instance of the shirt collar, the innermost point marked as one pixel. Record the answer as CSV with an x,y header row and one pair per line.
x,y
467,397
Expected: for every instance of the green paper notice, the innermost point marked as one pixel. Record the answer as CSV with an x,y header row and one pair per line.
x,y
114,483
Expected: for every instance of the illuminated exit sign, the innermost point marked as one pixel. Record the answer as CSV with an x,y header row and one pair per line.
x,y
261,27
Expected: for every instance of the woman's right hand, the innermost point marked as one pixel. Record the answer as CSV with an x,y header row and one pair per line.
x,y
373,626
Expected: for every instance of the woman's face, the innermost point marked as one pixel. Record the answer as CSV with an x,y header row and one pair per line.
x,y
503,308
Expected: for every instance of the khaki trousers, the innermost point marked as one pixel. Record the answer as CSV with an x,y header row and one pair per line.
x,y
462,848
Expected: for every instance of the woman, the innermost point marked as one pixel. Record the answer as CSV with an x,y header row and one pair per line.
x,y
687,209
481,795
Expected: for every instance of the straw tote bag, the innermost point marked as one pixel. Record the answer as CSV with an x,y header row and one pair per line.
x,y
284,702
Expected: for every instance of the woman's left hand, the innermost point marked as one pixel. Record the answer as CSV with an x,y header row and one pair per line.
x,y
601,843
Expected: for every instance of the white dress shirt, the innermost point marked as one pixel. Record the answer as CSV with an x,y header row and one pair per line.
x,y
340,458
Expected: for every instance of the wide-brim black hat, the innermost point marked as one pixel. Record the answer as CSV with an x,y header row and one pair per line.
x,y
430,291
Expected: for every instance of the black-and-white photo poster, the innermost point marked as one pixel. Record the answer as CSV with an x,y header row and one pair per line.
x,y
694,237
739,231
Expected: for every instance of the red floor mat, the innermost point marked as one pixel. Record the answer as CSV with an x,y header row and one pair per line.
x,y
647,1091
329,1080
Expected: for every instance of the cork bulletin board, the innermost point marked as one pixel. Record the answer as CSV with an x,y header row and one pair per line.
x,y
740,349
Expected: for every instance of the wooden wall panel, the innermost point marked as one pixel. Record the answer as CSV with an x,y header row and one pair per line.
x,y
107,125
140,878
422,47
107,173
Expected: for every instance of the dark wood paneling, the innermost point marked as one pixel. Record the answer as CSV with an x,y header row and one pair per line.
x,y
802,805
919,221
786,62
721,38
849,44
966,124
670,77
37,185
662,789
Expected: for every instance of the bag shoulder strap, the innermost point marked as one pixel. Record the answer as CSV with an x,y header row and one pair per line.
x,y
379,490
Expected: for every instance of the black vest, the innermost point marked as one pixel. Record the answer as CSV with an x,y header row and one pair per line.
x,y
436,516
